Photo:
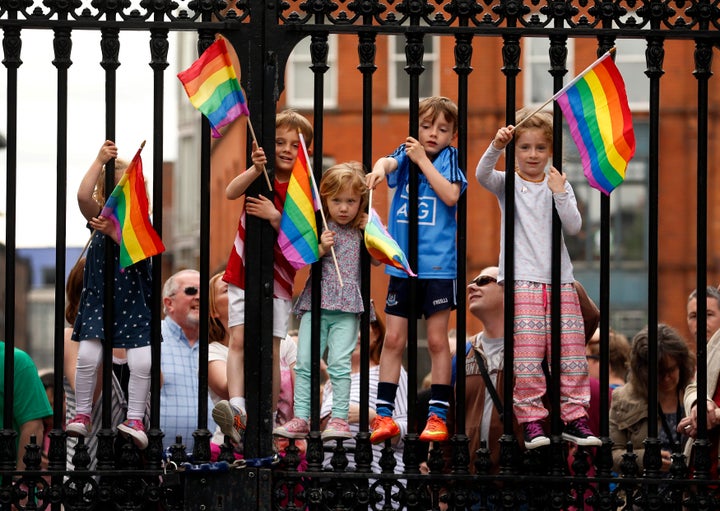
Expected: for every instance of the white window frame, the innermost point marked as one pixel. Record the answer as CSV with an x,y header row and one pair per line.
x,y
431,62
300,59
629,62
530,60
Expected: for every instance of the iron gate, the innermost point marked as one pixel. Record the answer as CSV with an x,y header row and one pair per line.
x,y
263,34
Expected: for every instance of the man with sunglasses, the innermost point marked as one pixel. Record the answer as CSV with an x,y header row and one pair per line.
x,y
180,357
484,354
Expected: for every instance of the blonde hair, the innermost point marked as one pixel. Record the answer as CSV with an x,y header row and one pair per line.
x,y
292,120
340,177
433,106
542,120
216,328
99,193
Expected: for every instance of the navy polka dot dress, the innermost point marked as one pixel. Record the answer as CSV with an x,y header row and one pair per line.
x,y
131,327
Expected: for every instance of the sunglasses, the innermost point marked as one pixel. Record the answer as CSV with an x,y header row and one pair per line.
x,y
483,280
191,290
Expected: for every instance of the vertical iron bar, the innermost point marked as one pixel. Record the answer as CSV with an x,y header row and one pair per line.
x,y
110,45
363,450
159,50
12,45
652,460
201,444
58,447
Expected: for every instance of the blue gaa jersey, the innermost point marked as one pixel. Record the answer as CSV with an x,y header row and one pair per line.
x,y
437,225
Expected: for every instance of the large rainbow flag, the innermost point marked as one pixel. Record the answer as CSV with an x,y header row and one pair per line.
x,y
298,236
596,109
213,88
128,209
382,246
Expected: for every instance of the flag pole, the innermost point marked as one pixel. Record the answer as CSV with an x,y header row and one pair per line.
x,y
317,194
572,82
252,133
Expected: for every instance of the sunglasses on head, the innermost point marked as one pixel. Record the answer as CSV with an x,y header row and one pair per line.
x,y
483,280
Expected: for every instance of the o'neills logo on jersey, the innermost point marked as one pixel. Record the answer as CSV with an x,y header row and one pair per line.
x,y
440,301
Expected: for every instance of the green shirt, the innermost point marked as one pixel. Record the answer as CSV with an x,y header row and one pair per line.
x,y
30,400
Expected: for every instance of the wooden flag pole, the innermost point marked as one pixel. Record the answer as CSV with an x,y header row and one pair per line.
x,y
252,133
611,51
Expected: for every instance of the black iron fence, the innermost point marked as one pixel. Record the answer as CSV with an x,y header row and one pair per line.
x,y
263,34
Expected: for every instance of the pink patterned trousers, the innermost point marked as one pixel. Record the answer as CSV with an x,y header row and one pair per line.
x,y
532,343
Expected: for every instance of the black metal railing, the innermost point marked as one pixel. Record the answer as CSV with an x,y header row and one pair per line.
x,y
263,34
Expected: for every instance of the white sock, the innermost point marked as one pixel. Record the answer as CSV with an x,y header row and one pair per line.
x,y
238,402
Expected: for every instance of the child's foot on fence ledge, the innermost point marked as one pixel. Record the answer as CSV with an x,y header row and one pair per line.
x,y
231,420
580,433
383,428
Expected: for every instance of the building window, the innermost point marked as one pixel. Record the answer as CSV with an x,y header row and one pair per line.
x,y
628,206
630,61
538,82
300,80
629,58
399,81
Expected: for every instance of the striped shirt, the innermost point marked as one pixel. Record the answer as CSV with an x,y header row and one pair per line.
x,y
283,272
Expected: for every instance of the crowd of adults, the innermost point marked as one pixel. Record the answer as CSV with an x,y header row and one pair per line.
x,y
628,370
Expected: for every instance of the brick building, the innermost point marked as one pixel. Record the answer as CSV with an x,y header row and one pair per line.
x,y
629,262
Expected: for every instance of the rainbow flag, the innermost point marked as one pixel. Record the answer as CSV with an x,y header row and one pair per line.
x,y
298,236
128,209
596,108
382,246
213,88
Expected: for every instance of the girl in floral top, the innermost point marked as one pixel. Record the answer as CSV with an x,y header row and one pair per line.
x,y
344,199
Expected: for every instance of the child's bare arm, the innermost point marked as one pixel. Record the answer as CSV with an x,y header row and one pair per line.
x,y
88,207
240,183
381,168
262,207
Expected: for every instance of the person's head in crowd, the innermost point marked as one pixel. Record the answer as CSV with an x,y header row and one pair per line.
x,y
47,377
485,295
181,297
713,312
218,309
676,363
618,354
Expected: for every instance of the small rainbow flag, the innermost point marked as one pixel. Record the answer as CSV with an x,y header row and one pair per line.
x,y
298,236
128,209
213,88
382,246
596,108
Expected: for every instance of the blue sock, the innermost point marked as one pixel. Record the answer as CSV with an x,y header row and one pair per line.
x,y
385,403
440,400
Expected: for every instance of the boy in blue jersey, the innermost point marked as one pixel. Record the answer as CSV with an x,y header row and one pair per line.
x,y
440,184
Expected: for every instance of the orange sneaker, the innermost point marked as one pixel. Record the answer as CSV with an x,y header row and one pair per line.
x,y
435,430
383,428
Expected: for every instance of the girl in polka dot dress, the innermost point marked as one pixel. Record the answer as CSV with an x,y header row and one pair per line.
x,y
131,312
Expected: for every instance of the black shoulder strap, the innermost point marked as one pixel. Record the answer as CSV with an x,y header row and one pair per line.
x,y
488,383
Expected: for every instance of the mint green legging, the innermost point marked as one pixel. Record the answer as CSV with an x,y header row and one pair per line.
x,y
338,333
